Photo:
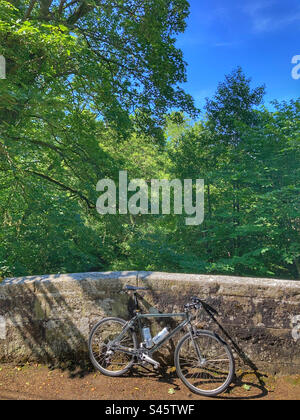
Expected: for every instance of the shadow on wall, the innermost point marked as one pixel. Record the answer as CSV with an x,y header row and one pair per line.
x,y
49,321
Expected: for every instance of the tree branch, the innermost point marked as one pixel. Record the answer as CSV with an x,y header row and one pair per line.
x,y
63,187
45,8
29,10
61,6
82,10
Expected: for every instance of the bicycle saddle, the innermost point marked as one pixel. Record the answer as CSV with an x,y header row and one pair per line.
x,y
135,288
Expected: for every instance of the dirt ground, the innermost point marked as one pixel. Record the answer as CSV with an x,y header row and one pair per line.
x,y
39,382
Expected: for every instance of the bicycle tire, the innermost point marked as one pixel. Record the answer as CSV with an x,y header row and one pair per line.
x,y
131,336
211,374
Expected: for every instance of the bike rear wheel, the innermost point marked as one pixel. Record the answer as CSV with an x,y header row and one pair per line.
x,y
104,352
204,363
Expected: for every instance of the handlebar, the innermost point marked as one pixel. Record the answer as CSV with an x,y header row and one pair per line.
x,y
198,303
195,304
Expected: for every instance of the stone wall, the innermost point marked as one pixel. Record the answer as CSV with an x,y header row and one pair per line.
x,y
48,318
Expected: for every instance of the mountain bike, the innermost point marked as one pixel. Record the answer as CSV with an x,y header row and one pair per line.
x,y
203,360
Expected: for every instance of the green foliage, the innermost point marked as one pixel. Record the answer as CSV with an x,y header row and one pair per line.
x,y
252,204
232,106
82,79
89,91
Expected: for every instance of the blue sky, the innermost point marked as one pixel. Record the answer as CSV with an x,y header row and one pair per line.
x,y
260,36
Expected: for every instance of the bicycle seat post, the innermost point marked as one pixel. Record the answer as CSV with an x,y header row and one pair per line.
x,y
136,303
135,289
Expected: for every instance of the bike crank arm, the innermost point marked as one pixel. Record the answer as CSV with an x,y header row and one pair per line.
x,y
145,358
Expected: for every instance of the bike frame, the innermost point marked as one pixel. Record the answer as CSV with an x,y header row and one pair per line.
x,y
136,320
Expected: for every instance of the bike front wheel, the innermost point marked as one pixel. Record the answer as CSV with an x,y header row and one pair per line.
x,y
204,363
105,348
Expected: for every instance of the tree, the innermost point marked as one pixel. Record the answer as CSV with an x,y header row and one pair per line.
x,y
119,55
233,106
252,196
79,74
77,68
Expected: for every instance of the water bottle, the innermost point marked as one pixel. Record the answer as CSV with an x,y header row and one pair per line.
x,y
147,337
160,336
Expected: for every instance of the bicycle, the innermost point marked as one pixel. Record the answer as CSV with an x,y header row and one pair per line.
x,y
203,360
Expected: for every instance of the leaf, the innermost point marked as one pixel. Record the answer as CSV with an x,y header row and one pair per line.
x,y
171,391
246,387
63,28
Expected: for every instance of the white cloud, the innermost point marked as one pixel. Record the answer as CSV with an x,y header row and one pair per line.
x,y
267,17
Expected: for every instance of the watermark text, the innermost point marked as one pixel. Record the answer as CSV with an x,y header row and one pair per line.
x,y
2,67
296,68
296,327
152,197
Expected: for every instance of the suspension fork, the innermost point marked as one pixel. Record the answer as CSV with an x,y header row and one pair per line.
x,y
192,332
